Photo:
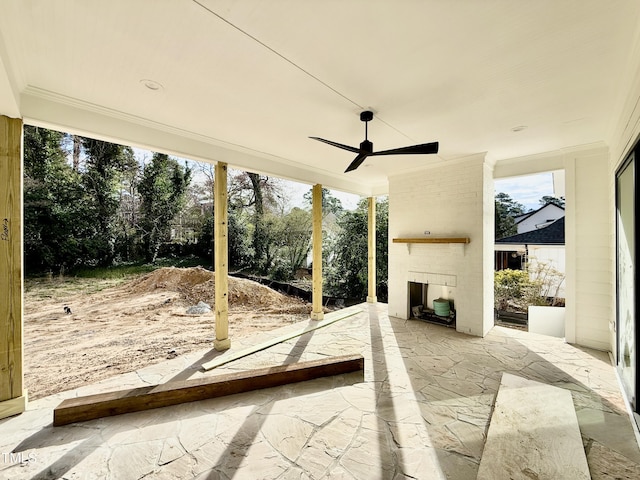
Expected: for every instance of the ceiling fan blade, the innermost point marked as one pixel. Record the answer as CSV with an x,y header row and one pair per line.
x,y
424,148
357,161
339,145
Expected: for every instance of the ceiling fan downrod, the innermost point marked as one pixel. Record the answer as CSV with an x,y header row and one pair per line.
x,y
366,117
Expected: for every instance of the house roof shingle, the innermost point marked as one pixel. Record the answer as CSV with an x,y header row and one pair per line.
x,y
550,235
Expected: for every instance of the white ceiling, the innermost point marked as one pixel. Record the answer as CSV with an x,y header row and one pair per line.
x,y
248,81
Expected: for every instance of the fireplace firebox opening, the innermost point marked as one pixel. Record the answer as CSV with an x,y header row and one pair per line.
x,y
428,305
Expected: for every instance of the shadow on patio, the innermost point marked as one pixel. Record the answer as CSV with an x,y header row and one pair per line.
x,y
422,411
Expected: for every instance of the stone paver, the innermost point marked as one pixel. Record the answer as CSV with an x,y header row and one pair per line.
x,y
422,411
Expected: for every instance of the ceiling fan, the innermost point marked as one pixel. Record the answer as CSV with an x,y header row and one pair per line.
x,y
366,147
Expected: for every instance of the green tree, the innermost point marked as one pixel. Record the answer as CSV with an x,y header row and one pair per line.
x,y
330,204
239,248
128,246
558,201
104,166
238,235
162,189
263,196
260,237
348,274
240,253
55,220
506,209
296,238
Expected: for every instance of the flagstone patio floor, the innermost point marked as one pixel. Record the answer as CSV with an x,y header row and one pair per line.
x,y
421,411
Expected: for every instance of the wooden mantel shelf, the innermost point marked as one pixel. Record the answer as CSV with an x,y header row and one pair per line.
x,y
433,240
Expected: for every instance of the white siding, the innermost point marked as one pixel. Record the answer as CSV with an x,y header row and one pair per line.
x,y
541,218
593,301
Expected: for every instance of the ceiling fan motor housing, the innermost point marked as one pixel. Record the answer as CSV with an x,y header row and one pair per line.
x,y
366,146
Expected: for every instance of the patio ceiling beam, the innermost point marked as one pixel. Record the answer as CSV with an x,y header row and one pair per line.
x,y
13,398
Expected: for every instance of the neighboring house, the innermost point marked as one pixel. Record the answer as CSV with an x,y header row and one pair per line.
x,y
539,218
535,239
541,246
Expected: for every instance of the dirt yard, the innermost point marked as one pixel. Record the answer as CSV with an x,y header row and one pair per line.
x,y
116,327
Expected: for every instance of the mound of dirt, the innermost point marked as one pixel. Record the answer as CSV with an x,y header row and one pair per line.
x,y
197,284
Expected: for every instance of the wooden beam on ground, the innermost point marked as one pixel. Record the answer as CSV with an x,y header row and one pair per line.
x,y
317,313
221,261
145,398
371,247
231,356
12,394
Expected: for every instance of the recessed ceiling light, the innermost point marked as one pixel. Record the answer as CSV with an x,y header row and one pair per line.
x,y
519,128
151,84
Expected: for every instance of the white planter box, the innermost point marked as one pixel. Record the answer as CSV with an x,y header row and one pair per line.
x,y
547,321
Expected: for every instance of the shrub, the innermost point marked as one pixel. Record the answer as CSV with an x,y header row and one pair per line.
x,y
509,287
547,281
281,271
519,289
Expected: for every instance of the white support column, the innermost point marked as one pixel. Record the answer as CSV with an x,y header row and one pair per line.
x,y
571,270
221,264
13,397
317,313
371,257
